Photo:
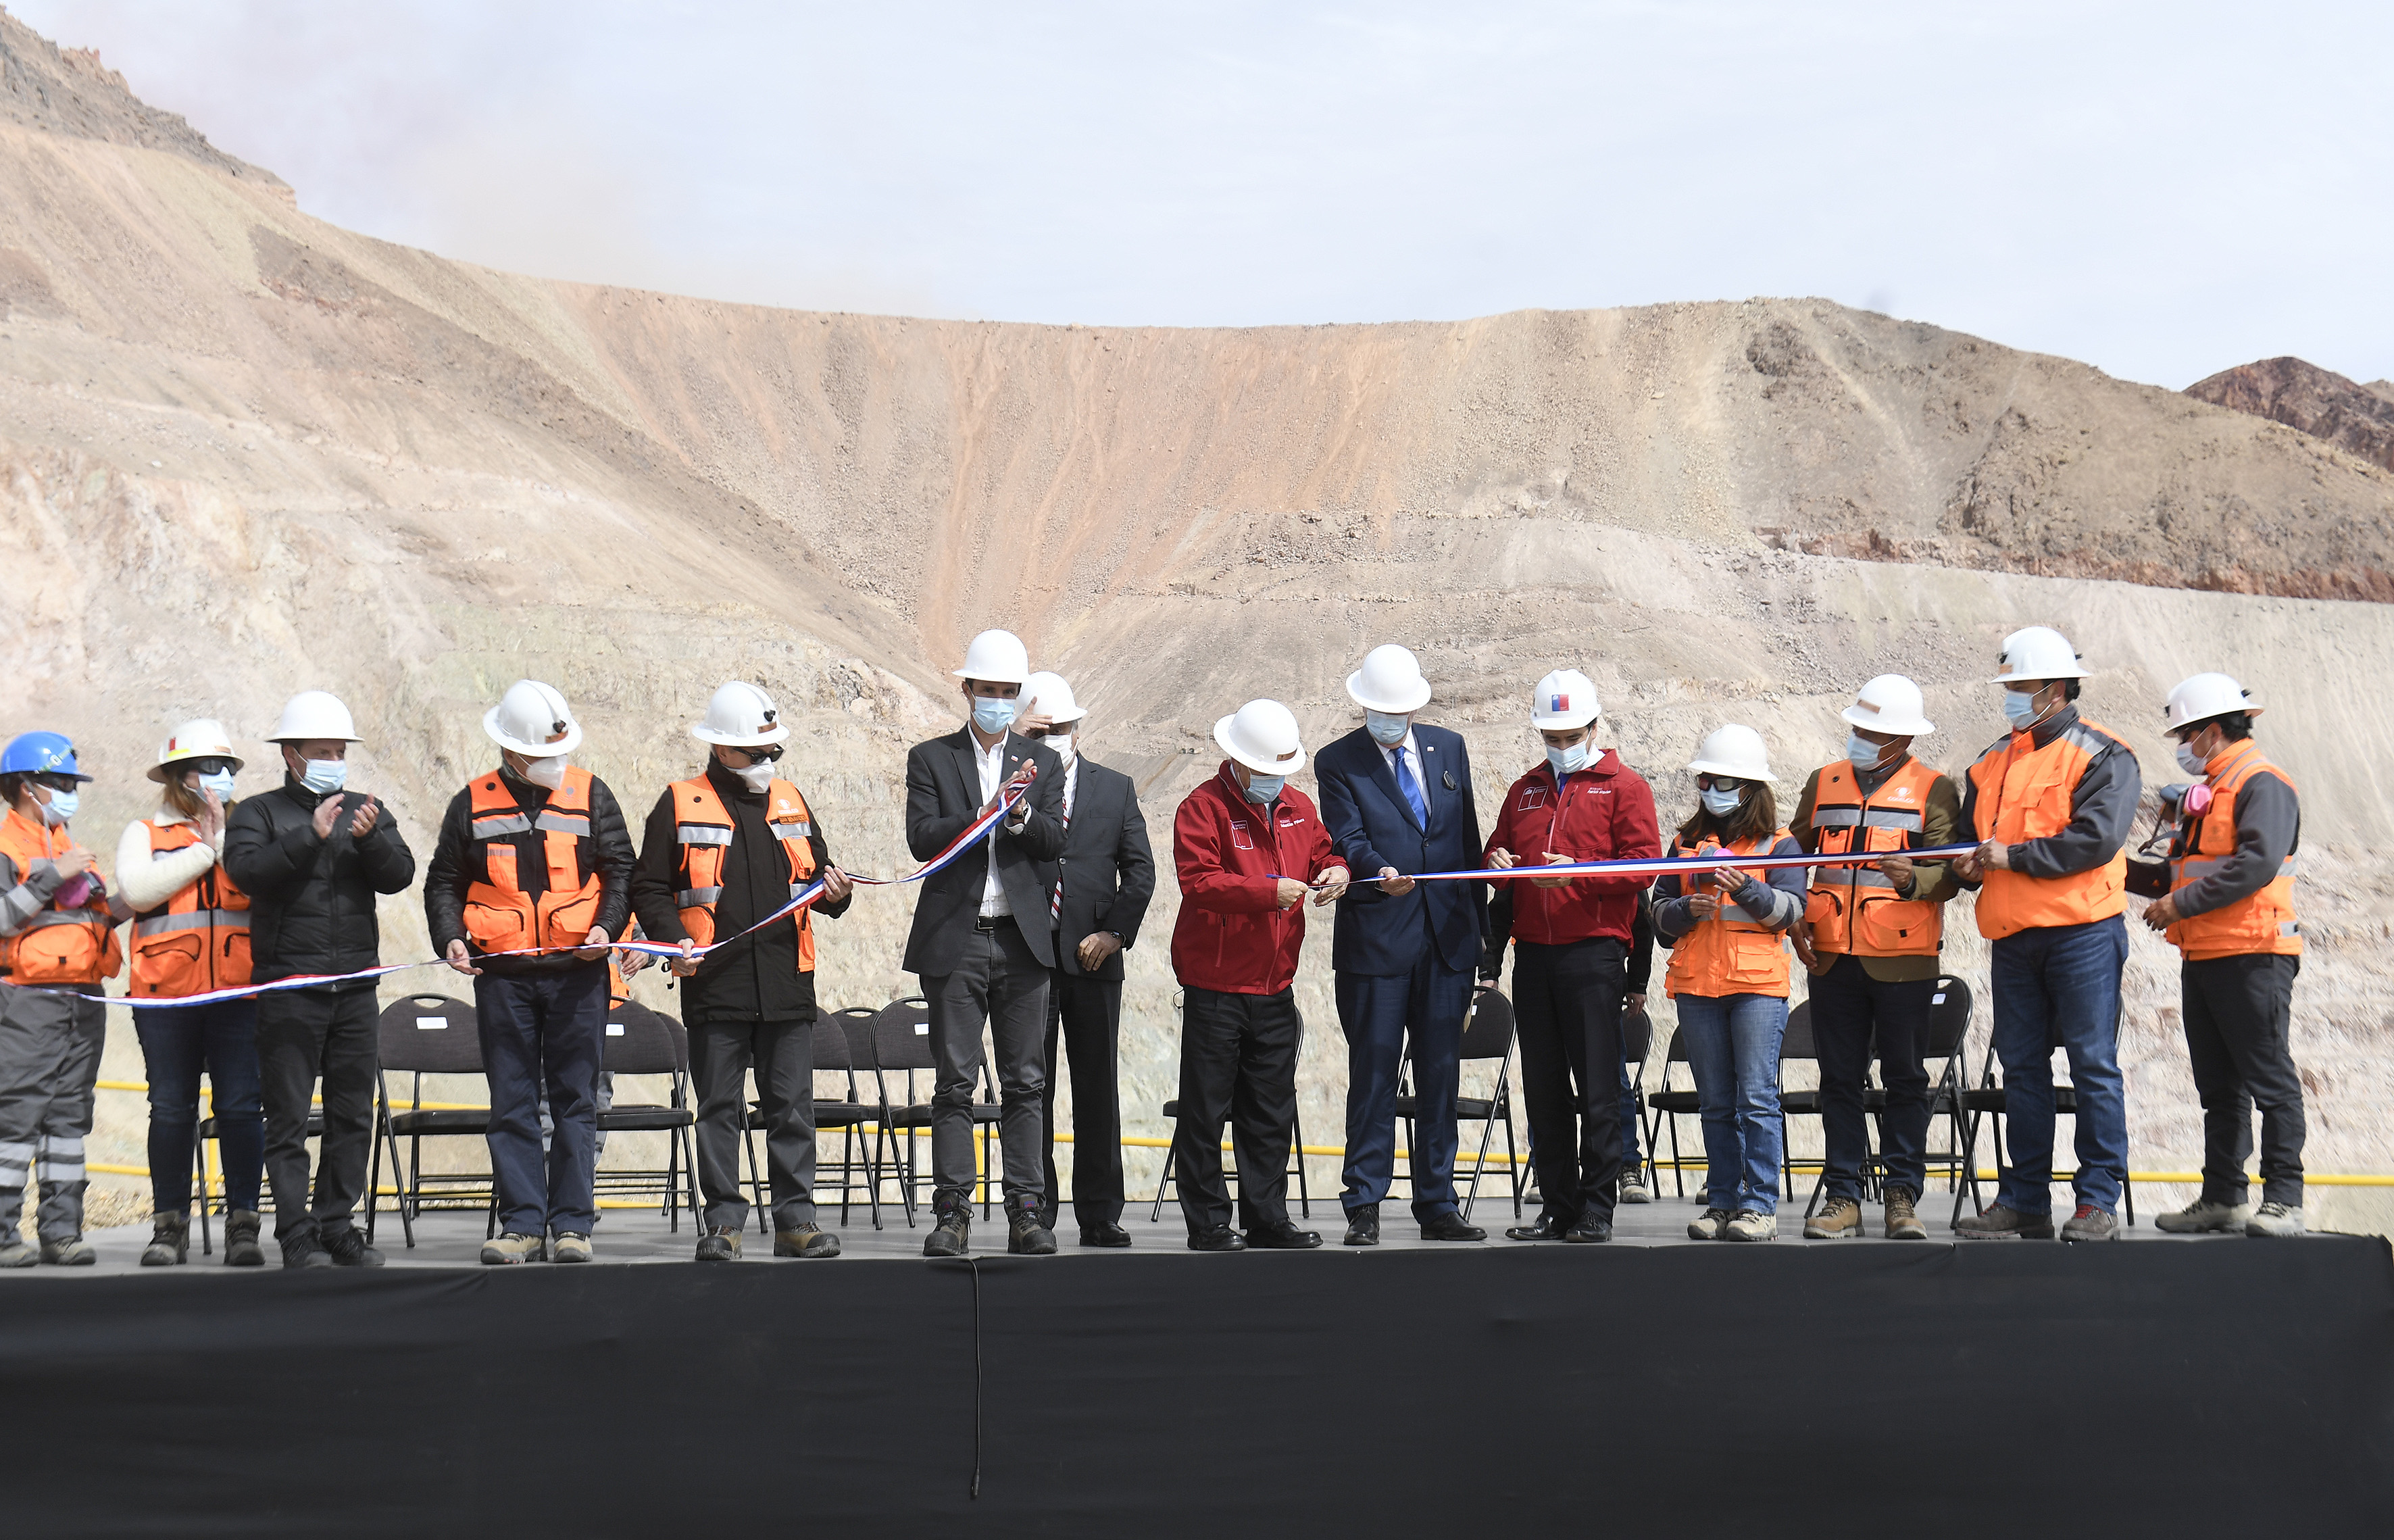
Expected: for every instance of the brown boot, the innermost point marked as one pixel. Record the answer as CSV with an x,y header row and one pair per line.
x,y
1837,1216
1902,1220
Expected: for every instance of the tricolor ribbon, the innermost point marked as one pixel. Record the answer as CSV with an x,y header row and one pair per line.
x,y
1664,866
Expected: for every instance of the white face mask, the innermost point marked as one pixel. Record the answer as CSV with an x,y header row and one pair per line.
x,y
548,772
1386,730
325,776
221,783
60,807
1861,752
1065,744
1568,761
757,777
2192,762
1261,789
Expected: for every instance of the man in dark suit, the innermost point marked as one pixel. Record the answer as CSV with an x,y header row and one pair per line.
x,y
981,941
1103,882
1396,799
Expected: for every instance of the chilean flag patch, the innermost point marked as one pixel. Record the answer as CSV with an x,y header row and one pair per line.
x,y
1557,704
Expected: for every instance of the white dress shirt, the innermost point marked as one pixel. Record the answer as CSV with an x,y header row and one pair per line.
x,y
991,764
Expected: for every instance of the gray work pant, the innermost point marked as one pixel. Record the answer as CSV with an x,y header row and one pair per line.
x,y
1001,981
50,1056
783,1054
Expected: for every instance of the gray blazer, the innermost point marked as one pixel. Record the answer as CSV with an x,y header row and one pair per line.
x,y
942,795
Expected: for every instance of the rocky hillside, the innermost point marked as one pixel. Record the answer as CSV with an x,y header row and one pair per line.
x,y
2359,418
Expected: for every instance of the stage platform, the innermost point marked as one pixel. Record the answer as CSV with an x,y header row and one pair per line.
x,y
2200,1386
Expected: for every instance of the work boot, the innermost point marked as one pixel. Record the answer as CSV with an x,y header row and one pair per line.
x,y
170,1241
570,1247
15,1253
1025,1235
1363,1226
301,1251
1751,1224
720,1243
1839,1215
2275,1220
1903,1219
74,1252
1633,1186
510,1249
2204,1218
805,1241
2002,1223
348,1249
951,1230
2091,1223
242,1249
1708,1225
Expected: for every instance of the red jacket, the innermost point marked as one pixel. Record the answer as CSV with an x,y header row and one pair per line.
x,y
1606,813
1232,935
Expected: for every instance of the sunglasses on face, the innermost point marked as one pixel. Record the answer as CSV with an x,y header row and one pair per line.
x,y
208,766
1719,783
771,754
56,782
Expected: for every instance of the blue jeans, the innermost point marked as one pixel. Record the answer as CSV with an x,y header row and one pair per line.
x,y
2059,987
177,1042
544,1031
1733,1050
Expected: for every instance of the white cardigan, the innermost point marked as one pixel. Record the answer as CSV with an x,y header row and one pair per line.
x,y
145,883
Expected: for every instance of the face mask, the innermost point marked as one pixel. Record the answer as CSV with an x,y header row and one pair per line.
x,y
2019,709
1262,789
1567,761
1063,742
1720,804
221,783
548,772
60,807
1861,753
993,714
325,776
1386,730
757,777
2192,762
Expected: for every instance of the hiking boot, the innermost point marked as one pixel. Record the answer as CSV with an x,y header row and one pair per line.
x,y
1751,1224
1707,1226
1903,1219
1839,1215
2091,1223
2275,1220
951,1235
348,1249
720,1243
170,1241
242,1249
2002,1223
74,1253
570,1247
1025,1235
509,1248
1633,1186
301,1251
1363,1226
2204,1218
805,1241
15,1253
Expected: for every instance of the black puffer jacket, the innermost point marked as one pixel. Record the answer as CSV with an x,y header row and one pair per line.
x,y
312,901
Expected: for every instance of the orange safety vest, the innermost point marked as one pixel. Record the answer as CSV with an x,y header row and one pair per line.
x,y
2260,922
196,941
500,916
57,946
702,827
2022,792
1728,954
1854,909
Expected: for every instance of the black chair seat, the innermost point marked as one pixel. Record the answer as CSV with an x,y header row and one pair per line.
x,y
1989,1099
442,1120
315,1125
842,1114
1802,1104
916,1116
1682,1102
644,1120
1172,1108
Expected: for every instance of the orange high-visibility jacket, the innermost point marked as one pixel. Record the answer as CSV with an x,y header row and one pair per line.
x,y
703,828
2020,793
500,915
57,946
1730,954
2260,922
199,939
1854,909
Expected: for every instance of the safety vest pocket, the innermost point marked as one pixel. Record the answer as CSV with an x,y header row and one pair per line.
x,y
232,958
494,928
172,965
60,954
572,920
1893,925
1757,960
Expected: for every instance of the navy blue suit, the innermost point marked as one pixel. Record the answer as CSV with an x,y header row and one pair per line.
x,y
1403,965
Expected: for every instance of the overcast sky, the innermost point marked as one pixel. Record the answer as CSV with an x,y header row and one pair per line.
x,y
2159,190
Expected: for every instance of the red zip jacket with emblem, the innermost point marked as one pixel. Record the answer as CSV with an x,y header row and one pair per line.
x,y
1606,813
1232,936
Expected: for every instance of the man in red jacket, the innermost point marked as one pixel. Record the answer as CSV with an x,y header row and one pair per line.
x,y
1246,846
1571,948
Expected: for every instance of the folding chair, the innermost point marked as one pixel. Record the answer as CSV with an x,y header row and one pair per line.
x,y
835,1053
1487,1033
640,1041
1636,1045
1949,1030
1796,1044
902,1045
1666,1102
425,1034
207,1130
1987,1103
1230,1173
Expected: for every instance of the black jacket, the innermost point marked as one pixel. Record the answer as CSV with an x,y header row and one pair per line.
x,y
756,979
1107,868
459,861
312,901
942,797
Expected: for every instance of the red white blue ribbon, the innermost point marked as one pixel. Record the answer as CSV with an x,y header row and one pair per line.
x,y
1664,866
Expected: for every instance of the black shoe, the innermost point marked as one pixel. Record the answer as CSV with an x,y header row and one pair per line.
x,y
348,1249
951,1234
1282,1236
1589,1229
1216,1238
1451,1227
303,1252
1048,1216
1546,1227
1104,1234
1363,1226
1025,1235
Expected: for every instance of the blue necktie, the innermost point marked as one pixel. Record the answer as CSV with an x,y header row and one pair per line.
x,y
1413,792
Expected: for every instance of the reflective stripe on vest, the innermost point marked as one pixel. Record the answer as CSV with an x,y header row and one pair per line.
x,y
2020,793
703,828
2260,922
197,919
500,914
1730,952
1855,910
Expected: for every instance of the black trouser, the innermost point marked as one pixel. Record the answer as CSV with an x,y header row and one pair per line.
x,y
544,1033
2236,1011
1000,982
1566,1015
1847,1005
782,1053
305,1034
1085,1017
1238,1060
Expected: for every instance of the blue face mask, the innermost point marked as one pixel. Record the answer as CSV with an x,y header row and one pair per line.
x,y
2019,709
1567,761
1721,804
60,807
326,776
221,783
991,714
2192,762
1262,789
1861,753
1386,730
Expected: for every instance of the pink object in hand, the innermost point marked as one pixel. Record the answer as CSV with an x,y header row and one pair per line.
x,y
71,895
2197,800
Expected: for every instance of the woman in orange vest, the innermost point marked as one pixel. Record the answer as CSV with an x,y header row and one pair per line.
x,y
56,942
1728,975
191,935
2225,897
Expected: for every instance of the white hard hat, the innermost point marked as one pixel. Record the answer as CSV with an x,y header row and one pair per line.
x,y
1733,750
1564,699
741,716
2038,652
533,719
1891,705
1390,681
997,657
1055,698
1262,736
201,738
2203,697
314,714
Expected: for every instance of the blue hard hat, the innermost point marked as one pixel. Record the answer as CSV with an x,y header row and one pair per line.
x,y
40,753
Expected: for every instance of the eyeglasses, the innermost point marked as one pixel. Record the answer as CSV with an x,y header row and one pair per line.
x,y
1719,783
